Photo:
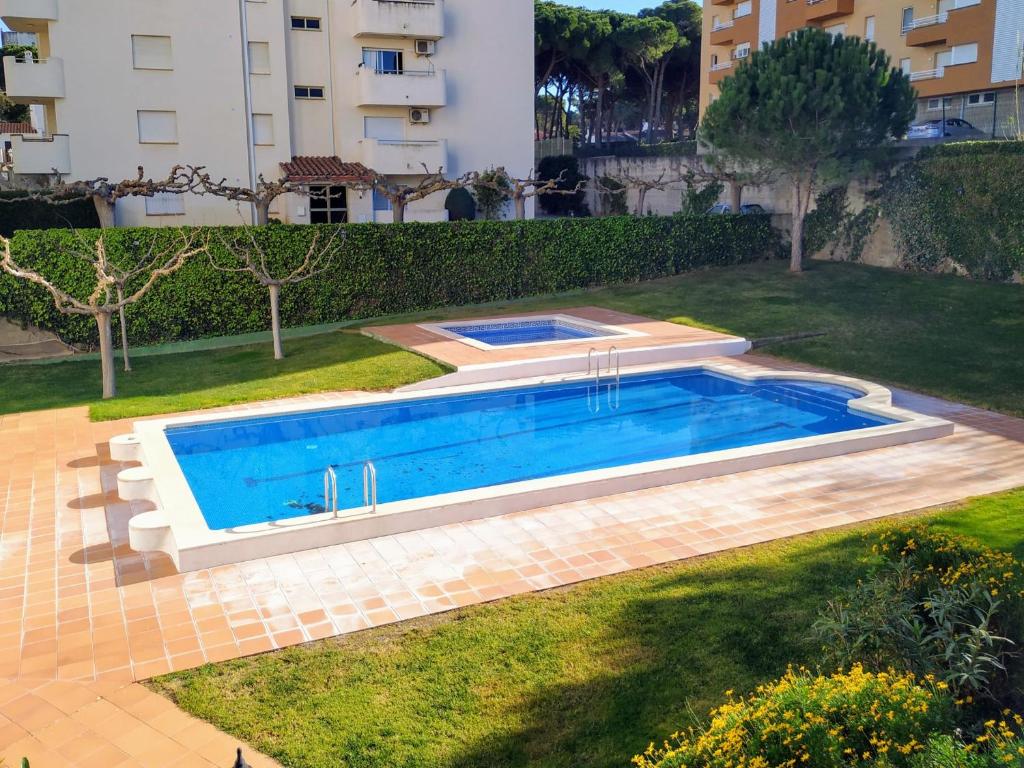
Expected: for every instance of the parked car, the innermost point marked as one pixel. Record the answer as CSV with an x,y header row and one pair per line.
x,y
747,209
956,128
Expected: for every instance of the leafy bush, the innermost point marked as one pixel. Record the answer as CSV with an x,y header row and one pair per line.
x,y
17,214
460,205
491,199
613,197
698,199
848,718
568,167
936,605
381,270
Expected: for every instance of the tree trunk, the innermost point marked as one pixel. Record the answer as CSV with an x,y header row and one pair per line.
x,y
104,211
520,202
275,319
124,331
262,212
736,196
397,212
106,355
599,116
796,254
641,197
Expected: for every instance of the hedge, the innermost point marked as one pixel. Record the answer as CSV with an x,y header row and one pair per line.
x,y
382,270
960,207
18,214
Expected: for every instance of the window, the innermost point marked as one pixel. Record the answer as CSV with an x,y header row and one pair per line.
x,y
263,130
328,205
380,203
387,128
165,204
908,19
944,103
836,29
309,91
306,22
964,54
742,51
151,52
976,99
905,66
743,9
869,28
383,62
259,58
158,127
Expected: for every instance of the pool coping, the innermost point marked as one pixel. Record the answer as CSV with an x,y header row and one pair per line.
x,y
179,529
609,332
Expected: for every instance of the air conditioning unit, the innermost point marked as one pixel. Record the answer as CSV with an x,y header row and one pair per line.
x,y
419,115
425,47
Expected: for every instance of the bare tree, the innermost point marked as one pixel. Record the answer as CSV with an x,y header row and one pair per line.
x,y
642,186
105,299
252,258
400,195
523,189
261,198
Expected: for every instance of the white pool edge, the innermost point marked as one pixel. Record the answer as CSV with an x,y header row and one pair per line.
x,y
177,527
607,332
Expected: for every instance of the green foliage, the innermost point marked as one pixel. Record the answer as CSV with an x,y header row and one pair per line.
x,y
383,270
27,214
460,205
632,149
568,167
493,194
938,606
613,197
697,198
960,208
811,103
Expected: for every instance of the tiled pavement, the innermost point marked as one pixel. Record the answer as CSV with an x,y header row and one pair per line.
x,y
82,616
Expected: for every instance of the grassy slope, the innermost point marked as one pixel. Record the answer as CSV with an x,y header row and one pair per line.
x,y
187,381
584,676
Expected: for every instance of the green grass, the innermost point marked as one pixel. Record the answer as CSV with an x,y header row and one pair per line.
x,y
942,335
190,381
584,676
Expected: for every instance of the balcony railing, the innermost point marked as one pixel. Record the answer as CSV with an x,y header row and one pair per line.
x,y
36,155
819,10
398,18
409,88
719,25
31,79
927,21
721,65
927,74
397,157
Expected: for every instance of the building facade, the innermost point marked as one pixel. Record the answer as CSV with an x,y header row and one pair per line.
x,y
963,56
251,88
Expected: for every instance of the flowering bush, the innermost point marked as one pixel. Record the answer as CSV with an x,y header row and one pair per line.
x,y
999,745
855,718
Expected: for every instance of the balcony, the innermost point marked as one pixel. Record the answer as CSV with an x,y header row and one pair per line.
x,y
398,18
426,88
719,72
405,158
931,30
723,32
928,74
33,80
958,23
41,155
28,15
822,10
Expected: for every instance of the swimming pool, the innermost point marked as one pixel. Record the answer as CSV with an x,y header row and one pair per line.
x,y
233,488
524,331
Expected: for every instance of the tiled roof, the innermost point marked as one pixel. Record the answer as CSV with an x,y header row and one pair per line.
x,y
16,128
324,169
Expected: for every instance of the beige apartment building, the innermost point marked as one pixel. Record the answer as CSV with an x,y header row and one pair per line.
x,y
963,56
314,89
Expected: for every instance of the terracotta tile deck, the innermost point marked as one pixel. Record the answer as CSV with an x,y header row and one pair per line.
x,y
82,616
455,353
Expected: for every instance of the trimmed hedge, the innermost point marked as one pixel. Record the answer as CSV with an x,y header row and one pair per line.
x,y
972,149
382,270
18,214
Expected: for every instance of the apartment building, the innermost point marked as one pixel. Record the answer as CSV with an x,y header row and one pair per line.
x,y
319,90
963,56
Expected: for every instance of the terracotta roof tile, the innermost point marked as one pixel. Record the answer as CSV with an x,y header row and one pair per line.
x,y
324,169
16,128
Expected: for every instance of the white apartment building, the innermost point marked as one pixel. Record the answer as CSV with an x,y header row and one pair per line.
x,y
314,88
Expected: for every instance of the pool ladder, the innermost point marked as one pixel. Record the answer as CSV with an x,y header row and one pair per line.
x,y
594,367
369,488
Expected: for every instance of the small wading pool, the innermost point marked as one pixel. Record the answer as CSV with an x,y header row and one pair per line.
x,y
230,489
523,331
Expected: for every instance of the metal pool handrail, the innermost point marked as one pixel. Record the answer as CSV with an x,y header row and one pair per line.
x,y
591,367
613,350
331,491
370,486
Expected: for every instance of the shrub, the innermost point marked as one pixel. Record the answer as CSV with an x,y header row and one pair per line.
x,y
568,167
490,200
936,605
848,718
698,199
382,270
460,205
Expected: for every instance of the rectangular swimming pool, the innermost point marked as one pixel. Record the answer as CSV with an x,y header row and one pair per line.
x,y
521,331
248,471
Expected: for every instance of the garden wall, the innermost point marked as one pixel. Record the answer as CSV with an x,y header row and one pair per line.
x,y
380,270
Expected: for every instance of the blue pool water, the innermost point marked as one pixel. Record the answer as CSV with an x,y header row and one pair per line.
x,y
257,470
504,333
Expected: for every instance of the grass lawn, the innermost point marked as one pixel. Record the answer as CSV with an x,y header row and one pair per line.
x,y
188,381
582,676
